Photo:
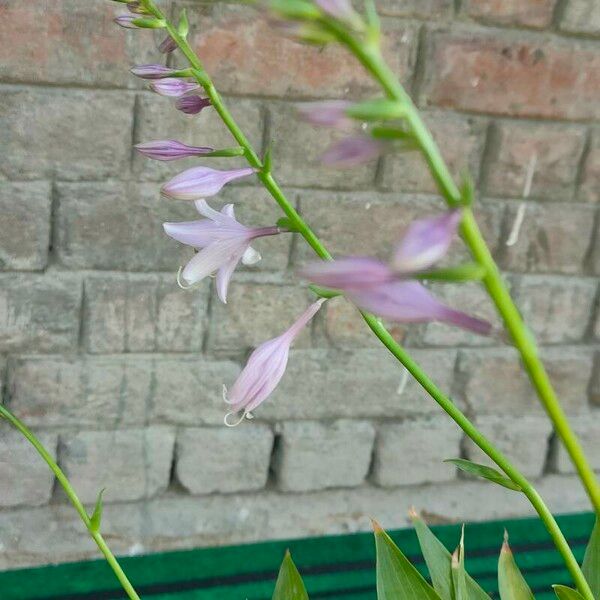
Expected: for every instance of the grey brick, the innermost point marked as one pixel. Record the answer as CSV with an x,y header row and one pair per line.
x,y
523,440
415,8
255,312
65,133
25,225
118,391
588,190
158,119
587,429
557,309
131,464
581,16
460,140
222,459
143,313
412,452
323,384
119,226
553,238
313,456
39,313
495,383
27,478
557,151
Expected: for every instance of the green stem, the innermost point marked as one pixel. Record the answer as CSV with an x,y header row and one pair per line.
x,y
64,482
372,60
376,326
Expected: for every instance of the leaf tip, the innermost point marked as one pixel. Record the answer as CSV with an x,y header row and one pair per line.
x,y
377,528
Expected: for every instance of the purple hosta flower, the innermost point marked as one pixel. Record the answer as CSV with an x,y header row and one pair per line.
x,y
222,242
200,182
170,150
192,104
167,46
352,152
331,113
152,71
173,87
264,370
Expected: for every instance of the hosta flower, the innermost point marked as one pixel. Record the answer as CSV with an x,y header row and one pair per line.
x,y
222,242
170,150
352,152
167,45
152,71
264,370
330,113
192,104
200,182
173,87
384,289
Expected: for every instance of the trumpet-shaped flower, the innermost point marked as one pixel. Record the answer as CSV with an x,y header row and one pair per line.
x,y
173,87
222,242
264,369
192,104
201,182
166,150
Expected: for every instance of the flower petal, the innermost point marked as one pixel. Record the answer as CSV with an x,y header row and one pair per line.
x,y
200,182
347,273
210,259
352,152
224,275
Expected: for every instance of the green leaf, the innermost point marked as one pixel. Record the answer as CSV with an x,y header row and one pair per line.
x,y
591,560
484,471
289,584
397,579
511,583
96,517
459,575
566,593
439,564
183,27
466,272
377,110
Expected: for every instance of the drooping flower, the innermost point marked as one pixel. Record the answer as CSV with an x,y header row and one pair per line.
x,y
173,87
166,150
264,369
167,46
201,182
330,113
152,71
351,152
222,242
192,104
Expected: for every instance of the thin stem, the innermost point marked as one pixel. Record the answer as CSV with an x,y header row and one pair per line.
x,y
372,60
64,482
375,324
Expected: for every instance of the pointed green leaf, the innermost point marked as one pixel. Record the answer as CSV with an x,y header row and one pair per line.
x,y
439,563
96,517
484,471
511,583
566,593
397,579
381,109
459,575
289,584
184,25
466,272
591,560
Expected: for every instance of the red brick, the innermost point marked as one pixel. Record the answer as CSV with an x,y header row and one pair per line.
x,y
589,190
529,13
505,74
246,55
557,150
69,41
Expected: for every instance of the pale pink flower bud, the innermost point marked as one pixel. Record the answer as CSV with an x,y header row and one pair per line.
x,y
166,150
126,21
352,152
330,113
201,182
173,87
152,71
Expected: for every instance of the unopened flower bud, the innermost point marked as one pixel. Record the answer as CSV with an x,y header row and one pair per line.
x,y
173,87
126,21
330,113
192,105
166,150
352,152
152,71
167,45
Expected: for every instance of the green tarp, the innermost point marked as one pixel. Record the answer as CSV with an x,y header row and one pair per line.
x,y
338,567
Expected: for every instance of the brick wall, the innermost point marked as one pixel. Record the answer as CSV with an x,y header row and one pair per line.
x,y
120,371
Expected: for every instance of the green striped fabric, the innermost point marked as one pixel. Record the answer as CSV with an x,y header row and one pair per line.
x,y
338,567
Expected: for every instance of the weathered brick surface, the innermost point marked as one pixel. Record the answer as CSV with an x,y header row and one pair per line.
x,y
529,13
25,225
129,464
555,149
524,439
39,313
588,190
581,16
48,133
27,479
69,41
223,460
147,313
508,74
245,55
587,429
426,9
313,456
401,457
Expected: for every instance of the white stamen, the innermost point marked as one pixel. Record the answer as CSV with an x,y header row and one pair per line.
x,y
251,256
225,399
229,414
403,382
516,228
249,416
